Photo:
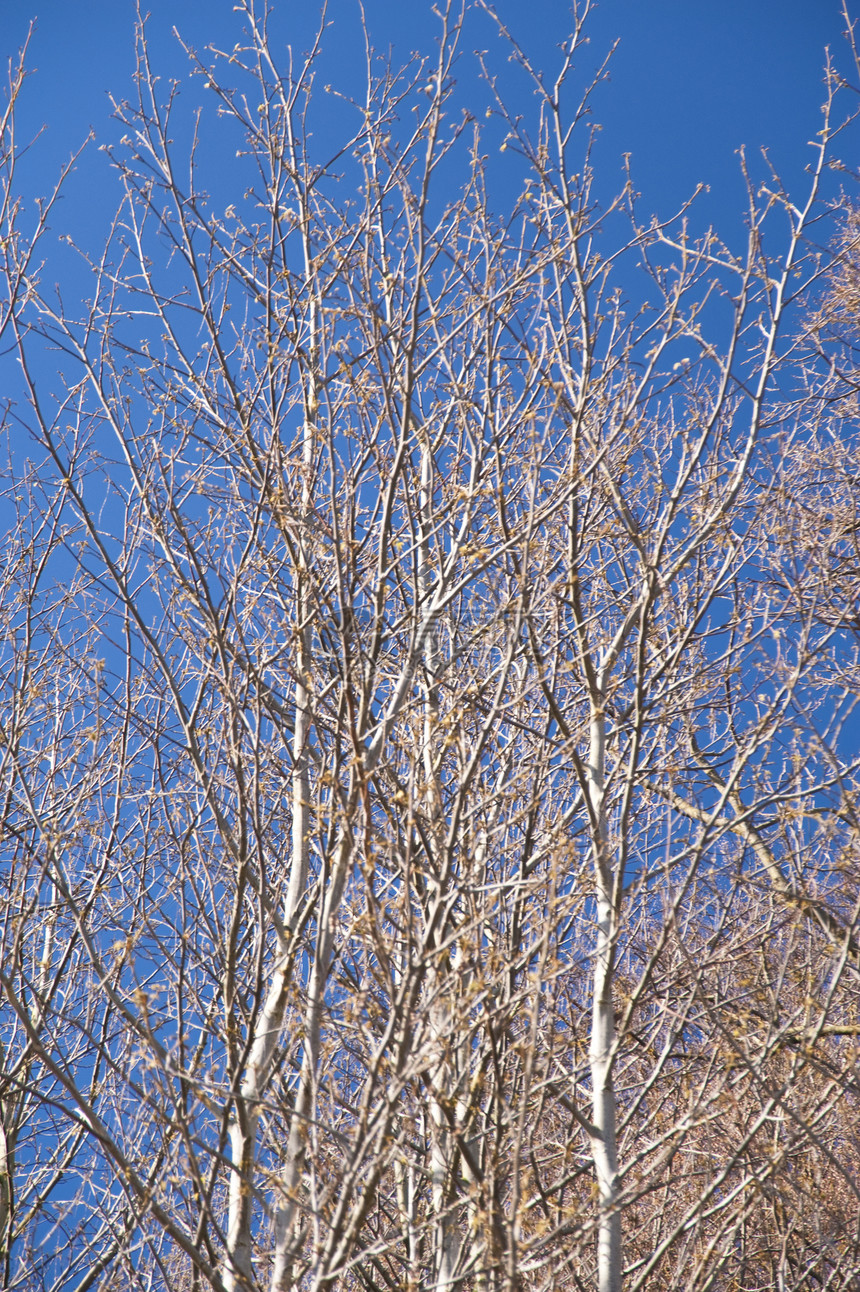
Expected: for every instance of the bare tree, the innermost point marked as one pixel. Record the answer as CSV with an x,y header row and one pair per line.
x,y
430,662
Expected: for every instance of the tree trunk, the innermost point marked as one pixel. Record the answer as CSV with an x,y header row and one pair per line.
x,y
602,1023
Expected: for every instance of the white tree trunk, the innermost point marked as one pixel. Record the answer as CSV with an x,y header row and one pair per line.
x,y
603,1023
243,1127
244,1123
446,1241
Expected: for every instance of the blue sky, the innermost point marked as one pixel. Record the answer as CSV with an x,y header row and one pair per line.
x,y
691,81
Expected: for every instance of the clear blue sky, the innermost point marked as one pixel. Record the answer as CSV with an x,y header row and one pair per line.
x,y
692,79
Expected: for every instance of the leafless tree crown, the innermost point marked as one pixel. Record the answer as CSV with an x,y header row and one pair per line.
x,y
429,664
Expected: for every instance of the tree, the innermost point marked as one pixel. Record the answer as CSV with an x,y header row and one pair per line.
x,y
430,823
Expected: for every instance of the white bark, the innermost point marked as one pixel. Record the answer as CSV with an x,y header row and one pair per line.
x,y
446,1241
603,1144
244,1124
238,1269
286,1210
7,1177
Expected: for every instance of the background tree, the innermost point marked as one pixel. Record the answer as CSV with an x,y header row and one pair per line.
x,y
429,824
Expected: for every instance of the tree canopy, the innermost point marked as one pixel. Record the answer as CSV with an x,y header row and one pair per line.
x,y
429,661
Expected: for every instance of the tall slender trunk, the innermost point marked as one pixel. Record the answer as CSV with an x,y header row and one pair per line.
x,y
238,1265
446,1239
7,1179
404,1173
238,1271
285,1207
604,1149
